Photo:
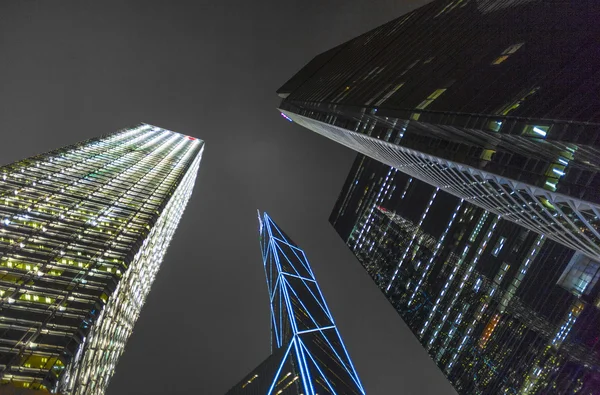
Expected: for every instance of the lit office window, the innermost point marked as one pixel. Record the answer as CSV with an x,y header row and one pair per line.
x,y
507,53
580,275
499,246
425,103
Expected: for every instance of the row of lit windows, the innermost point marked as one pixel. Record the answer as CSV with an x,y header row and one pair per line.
x,y
65,229
124,307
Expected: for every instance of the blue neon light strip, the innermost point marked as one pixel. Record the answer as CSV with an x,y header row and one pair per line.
x,y
315,376
318,368
280,367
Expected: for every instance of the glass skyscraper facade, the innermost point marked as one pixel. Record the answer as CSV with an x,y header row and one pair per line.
x,y
508,122
83,232
474,201
308,355
499,308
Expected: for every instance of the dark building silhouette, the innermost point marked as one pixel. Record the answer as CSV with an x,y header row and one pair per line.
x,y
494,102
474,202
83,232
308,355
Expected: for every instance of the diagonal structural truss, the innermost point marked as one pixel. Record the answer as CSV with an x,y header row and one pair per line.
x,y
301,322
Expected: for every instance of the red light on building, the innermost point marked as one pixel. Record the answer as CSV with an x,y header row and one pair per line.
x,y
191,138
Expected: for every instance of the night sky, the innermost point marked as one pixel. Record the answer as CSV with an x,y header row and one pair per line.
x,y
74,70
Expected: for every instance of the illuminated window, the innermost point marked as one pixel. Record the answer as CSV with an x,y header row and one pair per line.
x,y
499,245
507,52
495,125
580,275
517,103
425,103
555,170
389,94
452,5
500,59
536,131
487,154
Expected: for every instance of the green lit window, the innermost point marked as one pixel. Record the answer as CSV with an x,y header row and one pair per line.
x,y
425,103
517,103
507,53
538,131
495,125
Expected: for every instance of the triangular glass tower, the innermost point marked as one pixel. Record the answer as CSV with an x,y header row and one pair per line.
x,y
308,355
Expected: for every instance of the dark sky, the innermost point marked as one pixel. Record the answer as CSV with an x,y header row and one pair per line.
x,y
74,70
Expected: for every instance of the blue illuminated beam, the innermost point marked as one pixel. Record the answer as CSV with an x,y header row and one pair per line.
x,y
322,362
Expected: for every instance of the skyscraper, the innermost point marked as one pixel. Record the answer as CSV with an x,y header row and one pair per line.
x,y
499,308
308,355
84,230
479,217
506,121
